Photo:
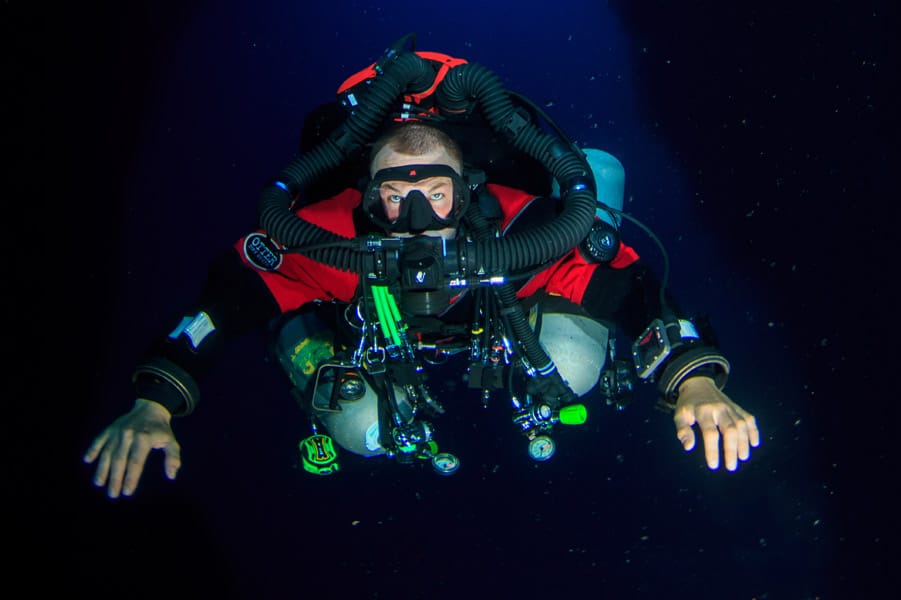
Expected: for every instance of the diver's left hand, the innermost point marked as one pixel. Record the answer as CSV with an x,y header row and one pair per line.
x,y
701,402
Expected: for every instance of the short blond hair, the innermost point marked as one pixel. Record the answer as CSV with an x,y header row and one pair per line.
x,y
417,139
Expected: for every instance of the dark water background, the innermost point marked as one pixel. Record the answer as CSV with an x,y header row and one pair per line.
x,y
759,143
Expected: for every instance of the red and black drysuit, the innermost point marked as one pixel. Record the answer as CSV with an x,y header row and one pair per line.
x,y
243,292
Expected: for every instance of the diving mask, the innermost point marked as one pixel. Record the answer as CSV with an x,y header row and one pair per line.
x,y
416,213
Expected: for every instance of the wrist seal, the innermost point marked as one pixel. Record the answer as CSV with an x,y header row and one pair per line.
x,y
688,363
164,382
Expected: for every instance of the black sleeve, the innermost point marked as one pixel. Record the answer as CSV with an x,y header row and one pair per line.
x,y
628,297
233,301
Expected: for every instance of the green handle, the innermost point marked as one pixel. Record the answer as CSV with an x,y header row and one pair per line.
x,y
574,414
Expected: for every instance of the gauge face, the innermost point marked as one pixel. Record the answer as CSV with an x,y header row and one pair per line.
x,y
445,463
542,448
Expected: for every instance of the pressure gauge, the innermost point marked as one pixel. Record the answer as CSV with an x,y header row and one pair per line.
x,y
542,448
445,463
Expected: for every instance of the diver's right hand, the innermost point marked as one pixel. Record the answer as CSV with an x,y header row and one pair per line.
x,y
123,448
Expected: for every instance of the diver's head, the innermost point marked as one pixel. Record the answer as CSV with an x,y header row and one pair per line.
x,y
416,184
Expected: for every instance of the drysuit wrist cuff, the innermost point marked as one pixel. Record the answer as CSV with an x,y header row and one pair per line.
x,y
164,382
701,361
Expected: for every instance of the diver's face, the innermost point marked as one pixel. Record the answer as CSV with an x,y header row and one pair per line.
x,y
439,191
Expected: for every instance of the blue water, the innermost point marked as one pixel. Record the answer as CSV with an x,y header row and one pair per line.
x,y
752,139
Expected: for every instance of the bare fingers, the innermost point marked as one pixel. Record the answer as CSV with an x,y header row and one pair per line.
x,y
116,455
711,436
121,456
137,458
173,459
684,419
733,442
739,434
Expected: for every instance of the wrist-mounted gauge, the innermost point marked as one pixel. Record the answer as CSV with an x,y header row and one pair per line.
x,y
658,342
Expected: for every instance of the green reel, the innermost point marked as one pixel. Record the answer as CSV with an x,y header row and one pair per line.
x,y
319,455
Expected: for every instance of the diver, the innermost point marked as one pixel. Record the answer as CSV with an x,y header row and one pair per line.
x,y
434,252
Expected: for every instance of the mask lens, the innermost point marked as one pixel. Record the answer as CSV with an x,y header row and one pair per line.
x,y
387,206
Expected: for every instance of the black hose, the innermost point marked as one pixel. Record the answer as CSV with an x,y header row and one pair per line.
x,y
554,239
276,214
544,243
510,306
